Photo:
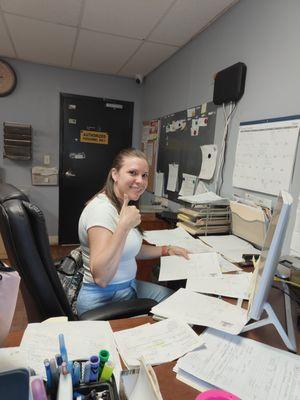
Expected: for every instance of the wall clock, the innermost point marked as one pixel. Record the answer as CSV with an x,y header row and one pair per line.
x,y
8,79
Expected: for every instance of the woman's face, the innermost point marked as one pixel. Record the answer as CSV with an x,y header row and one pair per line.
x,y
131,179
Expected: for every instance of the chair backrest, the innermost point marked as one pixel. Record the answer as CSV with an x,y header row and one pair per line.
x,y
25,238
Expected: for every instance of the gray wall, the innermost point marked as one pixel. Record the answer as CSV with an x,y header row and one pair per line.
x,y
36,101
264,34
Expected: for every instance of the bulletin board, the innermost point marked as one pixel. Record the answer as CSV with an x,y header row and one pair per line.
x,y
181,135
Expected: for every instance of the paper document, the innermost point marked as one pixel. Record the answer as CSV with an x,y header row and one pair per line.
x,y
188,185
159,184
229,285
172,177
158,343
230,246
201,188
200,265
165,236
244,367
11,358
227,266
199,309
209,159
82,338
208,197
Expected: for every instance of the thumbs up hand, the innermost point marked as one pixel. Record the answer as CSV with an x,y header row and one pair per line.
x,y
130,216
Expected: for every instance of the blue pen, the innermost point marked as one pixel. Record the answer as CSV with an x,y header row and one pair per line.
x,y
76,373
94,361
58,359
48,373
62,347
87,371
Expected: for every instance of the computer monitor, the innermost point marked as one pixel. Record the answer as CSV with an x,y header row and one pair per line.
x,y
268,260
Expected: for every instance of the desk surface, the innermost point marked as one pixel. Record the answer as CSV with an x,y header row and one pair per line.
x,y
170,387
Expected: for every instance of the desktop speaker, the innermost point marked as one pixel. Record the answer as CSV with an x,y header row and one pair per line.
x,y
230,84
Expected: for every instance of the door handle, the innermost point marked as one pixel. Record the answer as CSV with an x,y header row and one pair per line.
x,y
69,174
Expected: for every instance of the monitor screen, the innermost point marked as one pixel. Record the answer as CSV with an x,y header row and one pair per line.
x,y
268,260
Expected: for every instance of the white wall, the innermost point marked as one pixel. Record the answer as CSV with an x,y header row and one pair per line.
x,y
36,101
264,34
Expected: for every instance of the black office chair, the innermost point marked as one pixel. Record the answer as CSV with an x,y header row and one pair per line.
x,y
25,238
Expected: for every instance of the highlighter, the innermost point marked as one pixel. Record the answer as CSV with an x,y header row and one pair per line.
x,y
107,371
38,389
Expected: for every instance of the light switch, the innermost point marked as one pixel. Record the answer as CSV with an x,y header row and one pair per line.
x,y
46,159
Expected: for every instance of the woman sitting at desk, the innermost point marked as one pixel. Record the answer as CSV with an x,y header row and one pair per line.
x,y
111,239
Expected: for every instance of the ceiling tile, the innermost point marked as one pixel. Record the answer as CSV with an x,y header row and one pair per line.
x,y
148,57
99,52
59,11
186,18
6,48
41,42
131,18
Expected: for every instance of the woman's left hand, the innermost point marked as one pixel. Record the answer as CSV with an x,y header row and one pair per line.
x,y
178,251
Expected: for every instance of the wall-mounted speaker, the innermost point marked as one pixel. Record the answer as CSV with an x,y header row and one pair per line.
x,y
230,84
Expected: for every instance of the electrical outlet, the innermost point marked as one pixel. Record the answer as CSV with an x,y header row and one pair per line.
x,y
46,159
260,201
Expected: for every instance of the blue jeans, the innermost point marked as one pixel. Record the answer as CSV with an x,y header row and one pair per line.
x,y
91,295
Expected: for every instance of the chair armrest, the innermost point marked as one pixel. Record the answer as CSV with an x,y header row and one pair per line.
x,y
120,309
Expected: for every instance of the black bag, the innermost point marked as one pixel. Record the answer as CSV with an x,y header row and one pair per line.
x,y
70,272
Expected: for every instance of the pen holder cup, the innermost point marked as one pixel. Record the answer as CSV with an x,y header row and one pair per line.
x,y
85,389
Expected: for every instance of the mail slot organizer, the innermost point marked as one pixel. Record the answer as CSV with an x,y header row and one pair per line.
x,y
253,231
17,141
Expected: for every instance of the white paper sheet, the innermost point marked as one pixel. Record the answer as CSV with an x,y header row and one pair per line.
x,y
82,338
230,246
146,386
11,358
208,197
158,343
265,156
176,237
199,309
188,185
244,367
201,188
172,177
229,285
165,236
159,184
200,265
209,160
227,266
295,242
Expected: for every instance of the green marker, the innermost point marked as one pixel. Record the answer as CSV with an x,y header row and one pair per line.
x,y
103,356
107,371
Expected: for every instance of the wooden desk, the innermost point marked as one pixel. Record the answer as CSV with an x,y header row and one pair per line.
x,y
170,387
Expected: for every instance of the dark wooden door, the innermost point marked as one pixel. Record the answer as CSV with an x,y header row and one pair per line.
x,y
92,131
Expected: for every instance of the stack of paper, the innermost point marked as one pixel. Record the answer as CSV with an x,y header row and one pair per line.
x,y
158,343
244,367
199,309
230,246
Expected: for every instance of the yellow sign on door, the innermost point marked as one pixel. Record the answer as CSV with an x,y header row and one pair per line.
x,y
94,137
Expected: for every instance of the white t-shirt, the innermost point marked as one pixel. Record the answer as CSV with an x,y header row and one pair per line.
x,y
101,212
